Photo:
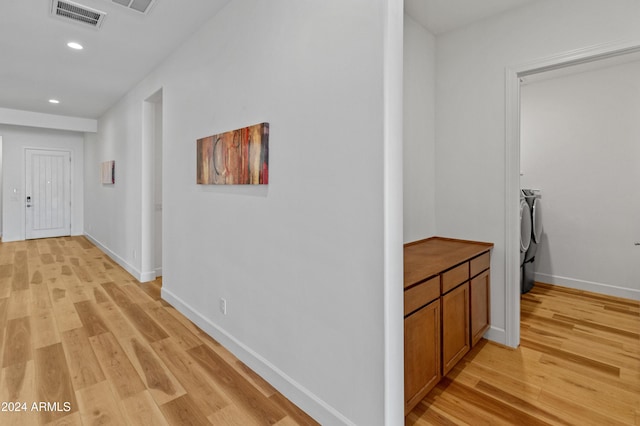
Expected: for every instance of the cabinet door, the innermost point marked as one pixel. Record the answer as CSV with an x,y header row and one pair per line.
x,y
480,307
455,326
421,354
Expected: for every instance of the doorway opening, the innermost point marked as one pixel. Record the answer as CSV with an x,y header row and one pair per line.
x,y
152,138
512,170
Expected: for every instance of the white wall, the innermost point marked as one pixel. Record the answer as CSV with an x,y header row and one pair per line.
x,y
1,192
299,261
419,132
113,212
14,141
470,105
579,144
157,193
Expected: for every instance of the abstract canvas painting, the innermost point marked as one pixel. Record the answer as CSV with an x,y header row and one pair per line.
x,y
109,172
238,157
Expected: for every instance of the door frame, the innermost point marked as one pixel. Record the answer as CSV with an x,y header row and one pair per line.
x,y
512,154
151,106
24,185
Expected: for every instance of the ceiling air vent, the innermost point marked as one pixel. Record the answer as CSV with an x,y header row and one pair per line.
x,y
142,6
69,10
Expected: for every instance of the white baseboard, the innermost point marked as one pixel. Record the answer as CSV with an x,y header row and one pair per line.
x,y
294,391
610,290
497,335
137,274
147,276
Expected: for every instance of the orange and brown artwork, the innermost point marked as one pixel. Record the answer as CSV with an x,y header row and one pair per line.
x,y
238,157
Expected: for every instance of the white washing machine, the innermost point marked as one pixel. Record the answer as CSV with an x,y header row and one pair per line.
x,y
525,234
533,198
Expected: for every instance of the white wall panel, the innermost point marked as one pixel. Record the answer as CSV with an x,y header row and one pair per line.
x,y
300,261
419,132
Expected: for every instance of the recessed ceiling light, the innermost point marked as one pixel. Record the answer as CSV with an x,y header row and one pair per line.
x,y
74,45
54,101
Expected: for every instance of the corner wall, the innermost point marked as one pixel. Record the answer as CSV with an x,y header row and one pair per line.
x,y
300,261
419,132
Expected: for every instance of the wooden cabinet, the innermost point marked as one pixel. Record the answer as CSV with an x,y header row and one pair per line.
x,y
446,308
480,306
455,326
421,353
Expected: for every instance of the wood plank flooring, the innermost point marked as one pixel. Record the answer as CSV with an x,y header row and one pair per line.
x,y
578,364
89,345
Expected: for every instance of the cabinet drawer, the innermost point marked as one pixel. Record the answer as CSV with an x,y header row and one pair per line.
x,y
480,264
420,295
454,277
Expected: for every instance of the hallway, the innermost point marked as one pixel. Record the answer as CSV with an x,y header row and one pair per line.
x,y
82,342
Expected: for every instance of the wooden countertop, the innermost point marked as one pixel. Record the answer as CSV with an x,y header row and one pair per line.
x,y
426,258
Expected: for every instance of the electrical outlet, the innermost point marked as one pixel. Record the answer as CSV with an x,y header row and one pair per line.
x,y
223,306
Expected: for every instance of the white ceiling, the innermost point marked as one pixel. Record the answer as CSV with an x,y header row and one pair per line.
x,y
36,65
440,16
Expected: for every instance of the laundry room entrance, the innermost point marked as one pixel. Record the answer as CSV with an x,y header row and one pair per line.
x,y
558,174
580,160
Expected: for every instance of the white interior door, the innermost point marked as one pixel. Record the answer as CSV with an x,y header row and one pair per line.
x,y
48,193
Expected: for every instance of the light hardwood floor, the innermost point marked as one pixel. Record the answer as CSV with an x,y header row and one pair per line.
x,y
81,334
578,364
